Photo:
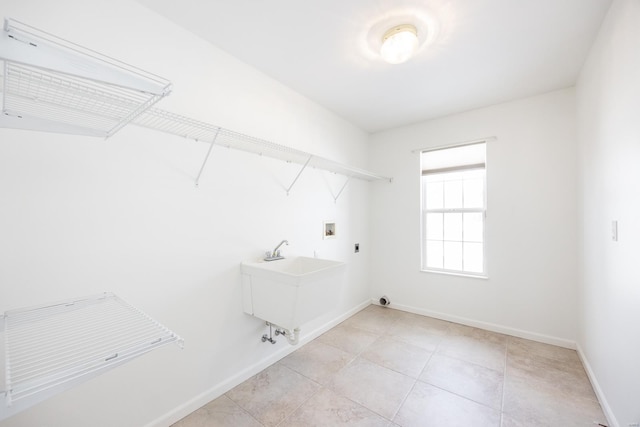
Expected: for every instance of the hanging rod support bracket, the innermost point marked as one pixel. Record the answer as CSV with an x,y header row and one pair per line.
x,y
207,157
299,173
335,199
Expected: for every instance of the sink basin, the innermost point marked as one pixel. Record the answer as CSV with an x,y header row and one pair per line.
x,y
296,270
291,291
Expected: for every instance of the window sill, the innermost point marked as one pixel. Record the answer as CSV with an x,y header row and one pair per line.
x,y
454,273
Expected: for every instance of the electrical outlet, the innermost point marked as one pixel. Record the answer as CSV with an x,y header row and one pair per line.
x,y
356,248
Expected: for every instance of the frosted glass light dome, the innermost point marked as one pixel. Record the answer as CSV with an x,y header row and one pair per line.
x,y
399,44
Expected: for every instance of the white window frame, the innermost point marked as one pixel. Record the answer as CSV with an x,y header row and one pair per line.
x,y
425,211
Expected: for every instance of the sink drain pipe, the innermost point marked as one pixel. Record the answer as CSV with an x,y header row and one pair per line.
x,y
292,335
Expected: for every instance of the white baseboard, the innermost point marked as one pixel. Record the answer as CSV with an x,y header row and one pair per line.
x,y
611,419
219,389
534,336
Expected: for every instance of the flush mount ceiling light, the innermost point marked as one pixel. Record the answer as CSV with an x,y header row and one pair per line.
x,y
399,43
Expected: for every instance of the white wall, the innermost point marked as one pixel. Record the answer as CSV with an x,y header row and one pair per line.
x,y
531,216
80,216
608,99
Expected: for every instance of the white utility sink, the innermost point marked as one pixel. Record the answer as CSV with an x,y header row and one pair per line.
x,y
292,291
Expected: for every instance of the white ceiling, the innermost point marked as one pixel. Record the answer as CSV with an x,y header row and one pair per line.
x,y
474,53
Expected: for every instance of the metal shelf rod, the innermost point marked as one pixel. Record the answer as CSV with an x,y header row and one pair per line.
x,y
299,173
335,199
206,157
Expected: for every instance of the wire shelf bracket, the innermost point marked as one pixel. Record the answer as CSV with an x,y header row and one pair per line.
x,y
206,158
335,199
299,173
53,85
49,349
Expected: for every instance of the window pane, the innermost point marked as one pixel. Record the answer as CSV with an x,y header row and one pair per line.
x,y
472,223
473,193
473,261
453,226
434,226
434,254
475,174
434,197
453,194
453,255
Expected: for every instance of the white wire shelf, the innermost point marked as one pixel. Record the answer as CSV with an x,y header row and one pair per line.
x,y
50,348
51,84
175,124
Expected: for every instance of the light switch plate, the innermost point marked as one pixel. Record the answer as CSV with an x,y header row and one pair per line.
x,y
614,230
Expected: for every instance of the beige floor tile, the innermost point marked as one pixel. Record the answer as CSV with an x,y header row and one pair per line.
x,y
478,334
486,350
387,312
427,405
521,346
508,421
347,338
531,402
469,380
399,356
329,409
431,325
318,361
566,377
221,412
373,318
375,387
417,335
273,394
560,367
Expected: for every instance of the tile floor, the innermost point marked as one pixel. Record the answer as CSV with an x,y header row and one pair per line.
x,y
388,368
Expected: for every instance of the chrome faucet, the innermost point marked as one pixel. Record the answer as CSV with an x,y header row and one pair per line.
x,y
276,252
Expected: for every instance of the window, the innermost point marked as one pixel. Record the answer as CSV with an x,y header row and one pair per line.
x,y
454,209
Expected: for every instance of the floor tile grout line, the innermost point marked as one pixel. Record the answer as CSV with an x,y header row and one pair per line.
x,y
477,364
359,355
243,409
300,373
468,361
504,379
415,382
412,387
359,404
320,386
397,411
300,405
459,395
319,383
326,386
